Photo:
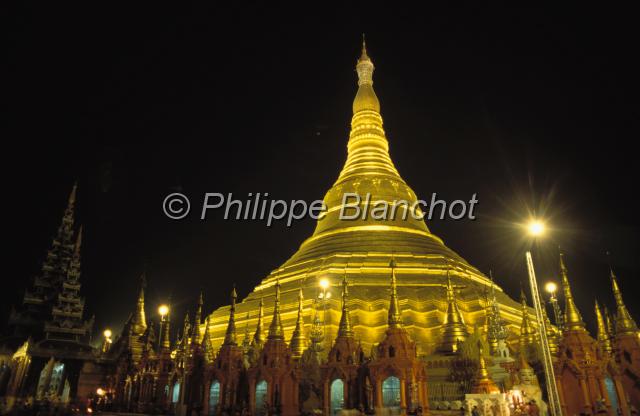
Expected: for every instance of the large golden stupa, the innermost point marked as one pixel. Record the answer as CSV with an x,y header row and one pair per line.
x,y
362,250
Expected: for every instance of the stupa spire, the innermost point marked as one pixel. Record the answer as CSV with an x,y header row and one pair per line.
x,y
186,330
206,343
572,318
368,149
164,343
197,321
258,336
609,323
603,336
230,335
527,333
140,319
298,341
344,330
275,329
395,316
454,329
483,383
624,322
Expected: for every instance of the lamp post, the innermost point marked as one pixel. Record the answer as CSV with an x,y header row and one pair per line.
x,y
552,289
536,229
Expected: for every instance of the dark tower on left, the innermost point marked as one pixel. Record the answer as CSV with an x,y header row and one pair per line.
x,y
48,337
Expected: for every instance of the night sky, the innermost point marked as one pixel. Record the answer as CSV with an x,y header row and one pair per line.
x,y
529,108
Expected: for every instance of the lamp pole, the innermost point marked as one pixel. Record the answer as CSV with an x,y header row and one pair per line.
x,y
535,229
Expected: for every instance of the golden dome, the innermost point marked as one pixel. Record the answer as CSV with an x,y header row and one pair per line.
x,y
362,249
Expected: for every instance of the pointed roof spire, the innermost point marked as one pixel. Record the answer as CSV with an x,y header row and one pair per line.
x,y
66,228
624,322
72,195
454,330
140,318
198,317
603,336
186,329
483,373
164,343
78,244
230,335
572,318
344,330
611,329
258,337
527,332
483,383
206,342
275,329
395,315
298,341
366,99
73,272
363,55
197,321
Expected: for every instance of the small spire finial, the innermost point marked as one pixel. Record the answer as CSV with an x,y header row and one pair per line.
x,y
258,338
344,330
275,329
573,319
395,316
298,341
623,320
230,336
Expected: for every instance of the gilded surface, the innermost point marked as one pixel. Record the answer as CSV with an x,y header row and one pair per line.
x,y
362,251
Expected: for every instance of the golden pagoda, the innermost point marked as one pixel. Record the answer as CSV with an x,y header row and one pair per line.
x,y
362,250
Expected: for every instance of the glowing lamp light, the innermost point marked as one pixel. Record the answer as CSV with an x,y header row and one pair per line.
x,y
324,283
100,391
163,310
551,287
107,333
536,228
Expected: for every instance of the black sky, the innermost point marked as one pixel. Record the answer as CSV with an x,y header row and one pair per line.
x,y
525,107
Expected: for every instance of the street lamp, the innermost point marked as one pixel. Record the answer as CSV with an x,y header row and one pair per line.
x,y
536,228
324,285
552,289
163,311
107,340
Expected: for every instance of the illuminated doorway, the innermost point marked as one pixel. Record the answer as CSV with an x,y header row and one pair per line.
x,y
214,397
175,396
337,396
261,398
391,392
